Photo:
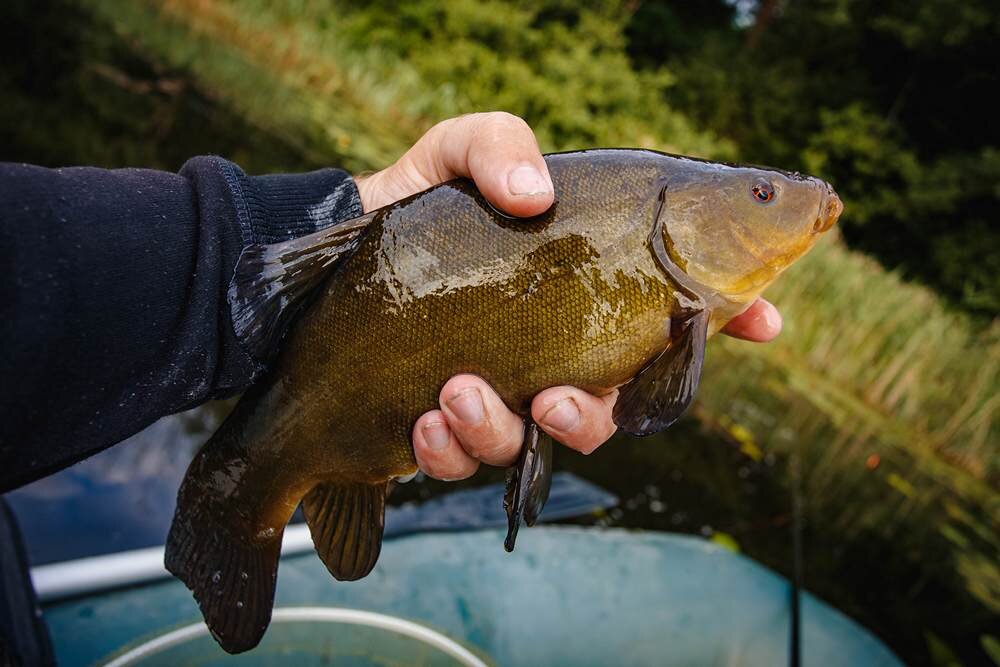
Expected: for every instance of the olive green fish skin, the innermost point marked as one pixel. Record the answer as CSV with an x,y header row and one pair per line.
x,y
444,284
642,256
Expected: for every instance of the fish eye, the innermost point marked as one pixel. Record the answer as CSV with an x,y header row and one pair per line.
x,y
762,191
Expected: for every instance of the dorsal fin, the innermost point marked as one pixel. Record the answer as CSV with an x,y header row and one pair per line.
x,y
272,282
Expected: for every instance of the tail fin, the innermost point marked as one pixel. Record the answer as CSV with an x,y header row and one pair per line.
x,y
231,576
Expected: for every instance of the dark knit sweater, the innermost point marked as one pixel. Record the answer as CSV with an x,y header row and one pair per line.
x,y
113,305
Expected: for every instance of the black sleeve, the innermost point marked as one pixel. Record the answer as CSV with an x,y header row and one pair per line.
x,y
113,305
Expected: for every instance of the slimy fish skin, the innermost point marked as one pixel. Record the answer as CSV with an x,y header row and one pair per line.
x,y
619,284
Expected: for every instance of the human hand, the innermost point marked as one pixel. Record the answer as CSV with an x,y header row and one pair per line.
x,y
499,153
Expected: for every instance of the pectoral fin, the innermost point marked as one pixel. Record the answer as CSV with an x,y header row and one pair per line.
x,y
272,282
346,522
662,391
528,481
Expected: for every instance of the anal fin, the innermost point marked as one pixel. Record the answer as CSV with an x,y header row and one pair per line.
x,y
528,481
346,522
231,576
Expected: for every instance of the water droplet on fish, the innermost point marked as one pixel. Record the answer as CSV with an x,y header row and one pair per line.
x,y
239,604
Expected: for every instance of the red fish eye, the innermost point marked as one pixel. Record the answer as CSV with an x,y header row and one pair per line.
x,y
762,191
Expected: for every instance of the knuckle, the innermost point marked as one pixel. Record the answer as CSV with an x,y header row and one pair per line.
x,y
498,126
489,442
506,119
448,123
497,436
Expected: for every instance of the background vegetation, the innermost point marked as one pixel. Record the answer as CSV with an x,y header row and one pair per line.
x,y
873,419
885,98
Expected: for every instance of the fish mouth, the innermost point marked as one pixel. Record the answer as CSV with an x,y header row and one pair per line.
x,y
830,209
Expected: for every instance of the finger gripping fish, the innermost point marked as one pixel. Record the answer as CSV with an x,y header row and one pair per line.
x,y
641,258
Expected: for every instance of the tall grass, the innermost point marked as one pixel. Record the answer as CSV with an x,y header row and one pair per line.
x,y
890,402
874,352
335,107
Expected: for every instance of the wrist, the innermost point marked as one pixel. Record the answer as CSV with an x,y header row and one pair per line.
x,y
367,184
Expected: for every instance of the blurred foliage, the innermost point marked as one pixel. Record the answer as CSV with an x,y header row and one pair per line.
x,y
888,397
560,65
879,412
887,100
75,93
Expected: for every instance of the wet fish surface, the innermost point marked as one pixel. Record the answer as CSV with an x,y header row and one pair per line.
x,y
642,257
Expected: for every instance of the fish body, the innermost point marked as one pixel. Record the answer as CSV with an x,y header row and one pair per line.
x,y
640,259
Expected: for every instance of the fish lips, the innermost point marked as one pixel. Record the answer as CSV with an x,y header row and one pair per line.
x,y
830,209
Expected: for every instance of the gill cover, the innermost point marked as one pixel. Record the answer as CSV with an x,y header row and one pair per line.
x,y
660,393
733,230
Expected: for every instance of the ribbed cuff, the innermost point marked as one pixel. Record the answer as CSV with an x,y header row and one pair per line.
x,y
279,207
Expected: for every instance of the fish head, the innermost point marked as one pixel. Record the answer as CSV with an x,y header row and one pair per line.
x,y
734,229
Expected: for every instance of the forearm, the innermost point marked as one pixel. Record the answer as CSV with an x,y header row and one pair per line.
x,y
113,308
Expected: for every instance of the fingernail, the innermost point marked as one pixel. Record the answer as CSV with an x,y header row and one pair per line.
x,y
526,181
773,319
467,406
564,416
436,436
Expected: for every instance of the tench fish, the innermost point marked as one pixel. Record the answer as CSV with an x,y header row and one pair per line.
x,y
642,257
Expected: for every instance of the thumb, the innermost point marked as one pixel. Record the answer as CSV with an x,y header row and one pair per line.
x,y
497,150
